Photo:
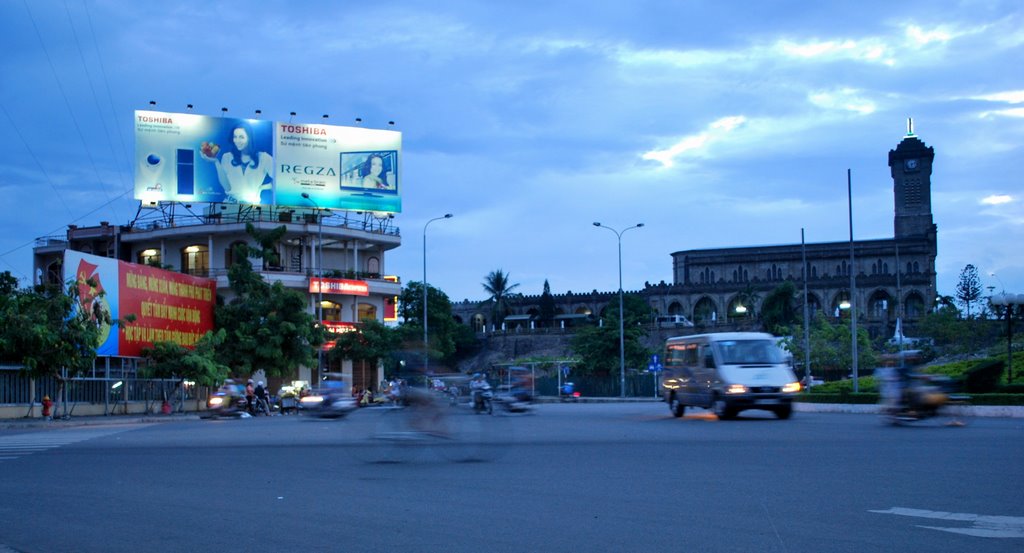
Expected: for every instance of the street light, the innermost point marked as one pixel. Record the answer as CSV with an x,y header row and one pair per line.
x,y
622,314
319,280
426,346
1009,302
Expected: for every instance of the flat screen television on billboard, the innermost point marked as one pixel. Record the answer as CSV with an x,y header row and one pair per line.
x,y
370,173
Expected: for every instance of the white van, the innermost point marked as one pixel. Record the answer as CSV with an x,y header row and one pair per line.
x,y
672,321
728,372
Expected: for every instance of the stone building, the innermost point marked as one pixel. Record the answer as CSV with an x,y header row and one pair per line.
x,y
894,278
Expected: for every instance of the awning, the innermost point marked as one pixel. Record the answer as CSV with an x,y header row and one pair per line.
x,y
518,318
573,316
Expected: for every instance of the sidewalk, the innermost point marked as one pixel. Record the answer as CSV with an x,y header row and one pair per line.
x,y
34,423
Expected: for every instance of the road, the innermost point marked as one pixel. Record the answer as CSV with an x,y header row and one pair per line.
x,y
587,477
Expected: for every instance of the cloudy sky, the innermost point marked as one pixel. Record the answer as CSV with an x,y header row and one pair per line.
x,y
713,123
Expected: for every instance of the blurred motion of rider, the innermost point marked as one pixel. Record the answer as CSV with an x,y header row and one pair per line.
x,y
250,394
477,387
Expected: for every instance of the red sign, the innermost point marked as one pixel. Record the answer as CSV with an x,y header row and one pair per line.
x,y
391,304
337,327
339,286
168,307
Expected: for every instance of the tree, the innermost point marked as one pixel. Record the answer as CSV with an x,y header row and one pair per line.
x,y
174,361
598,347
779,308
547,306
371,342
49,331
831,355
443,329
968,290
266,325
498,286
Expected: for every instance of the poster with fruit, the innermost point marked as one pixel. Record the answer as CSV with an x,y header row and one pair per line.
x,y
186,157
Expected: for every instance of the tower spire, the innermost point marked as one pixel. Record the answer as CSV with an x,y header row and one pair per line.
x,y
910,126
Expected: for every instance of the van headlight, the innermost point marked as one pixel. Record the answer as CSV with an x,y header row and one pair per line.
x,y
790,388
736,389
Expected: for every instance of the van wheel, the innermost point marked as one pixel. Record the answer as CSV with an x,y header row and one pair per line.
x,y
722,409
677,408
784,412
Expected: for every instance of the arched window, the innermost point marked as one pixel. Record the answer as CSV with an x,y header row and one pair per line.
x,y
373,267
332,311
195,260
704,311
814,271
917,268
367,311
915,305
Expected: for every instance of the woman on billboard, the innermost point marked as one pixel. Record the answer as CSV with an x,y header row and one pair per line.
x,y
242,171
373,173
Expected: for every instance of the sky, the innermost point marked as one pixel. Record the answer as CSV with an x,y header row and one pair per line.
x,y
715,124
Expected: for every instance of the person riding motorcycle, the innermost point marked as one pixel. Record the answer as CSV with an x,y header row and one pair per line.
x,y
262,398
478,387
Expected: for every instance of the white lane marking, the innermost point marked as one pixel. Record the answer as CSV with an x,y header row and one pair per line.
x,y
984,526
19,445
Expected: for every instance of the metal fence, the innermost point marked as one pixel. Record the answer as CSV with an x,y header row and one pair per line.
x,y
641,385
16,389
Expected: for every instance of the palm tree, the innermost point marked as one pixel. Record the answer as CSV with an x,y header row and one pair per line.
x,y
500,289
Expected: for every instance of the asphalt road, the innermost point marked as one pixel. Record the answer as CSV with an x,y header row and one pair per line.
x,y
586,477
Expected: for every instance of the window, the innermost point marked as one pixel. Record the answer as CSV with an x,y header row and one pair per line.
x,y
367,311
373,266
229,255
195,260
149,257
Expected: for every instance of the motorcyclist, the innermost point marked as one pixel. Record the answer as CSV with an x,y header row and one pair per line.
x,y
478,386
261,395
250,395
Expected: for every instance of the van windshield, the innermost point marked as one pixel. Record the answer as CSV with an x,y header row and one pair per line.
x,y
749,352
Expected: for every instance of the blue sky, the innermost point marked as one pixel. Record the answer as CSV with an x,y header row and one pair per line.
x,y
713,123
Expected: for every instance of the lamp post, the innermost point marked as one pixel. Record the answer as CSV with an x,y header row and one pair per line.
x,y
853,288
426,344
622,314
319,280
1009,302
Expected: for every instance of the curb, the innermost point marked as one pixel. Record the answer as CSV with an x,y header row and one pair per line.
x,y
15,424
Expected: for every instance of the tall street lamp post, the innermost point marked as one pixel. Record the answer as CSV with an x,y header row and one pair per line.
x,y
622,314
319,280
1009,302
426,344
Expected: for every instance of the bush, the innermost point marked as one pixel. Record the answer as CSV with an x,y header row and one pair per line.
x,y
984,378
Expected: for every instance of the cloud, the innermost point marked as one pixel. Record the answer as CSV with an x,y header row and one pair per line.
x,y
845,99
1008,96
997,199
696,143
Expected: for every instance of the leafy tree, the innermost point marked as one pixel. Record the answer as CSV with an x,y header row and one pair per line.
x,y
546,306
266,325
372,342
443,329
968,290
499,288
831,355
47,330
174,361
598,347
779,308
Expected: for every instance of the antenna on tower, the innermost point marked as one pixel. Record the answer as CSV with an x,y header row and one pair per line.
x,y
910,126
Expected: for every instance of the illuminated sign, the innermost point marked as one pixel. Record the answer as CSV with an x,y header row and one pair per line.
x,y
339,286
391,304
337,327
186,157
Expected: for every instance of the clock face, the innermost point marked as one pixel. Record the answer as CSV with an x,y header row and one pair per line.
x,y
910,164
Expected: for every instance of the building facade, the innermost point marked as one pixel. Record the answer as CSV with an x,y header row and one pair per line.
x,y
340,255
893,278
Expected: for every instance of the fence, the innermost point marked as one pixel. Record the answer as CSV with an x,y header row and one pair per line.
x,y
641,385
114,395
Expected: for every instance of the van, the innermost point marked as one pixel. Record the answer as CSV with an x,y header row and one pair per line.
x,y
728,372
672,321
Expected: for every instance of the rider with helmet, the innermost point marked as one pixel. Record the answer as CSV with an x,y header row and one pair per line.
x,y
478,387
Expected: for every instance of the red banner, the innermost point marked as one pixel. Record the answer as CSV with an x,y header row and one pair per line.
x,y
168,307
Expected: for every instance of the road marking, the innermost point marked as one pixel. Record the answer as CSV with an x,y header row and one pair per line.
x,y
984,526
19,445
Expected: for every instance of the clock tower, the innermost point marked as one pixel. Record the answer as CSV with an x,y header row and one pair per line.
x,y
911,167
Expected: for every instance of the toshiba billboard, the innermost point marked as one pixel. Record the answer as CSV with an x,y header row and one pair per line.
x,y
196,158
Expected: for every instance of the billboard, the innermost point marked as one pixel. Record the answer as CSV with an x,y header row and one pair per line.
x,y
168,306
339,167
197,158
194,158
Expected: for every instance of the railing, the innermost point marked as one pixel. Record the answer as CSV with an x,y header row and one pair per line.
x,y
363,221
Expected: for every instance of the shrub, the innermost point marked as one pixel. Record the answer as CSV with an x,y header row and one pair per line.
x,y
984,378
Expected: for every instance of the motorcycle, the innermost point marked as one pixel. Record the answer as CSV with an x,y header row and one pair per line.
x,y
483,401
519,402
568,392
329,403
225,405
921,397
